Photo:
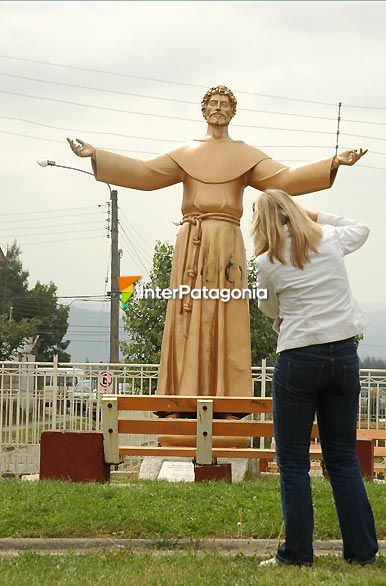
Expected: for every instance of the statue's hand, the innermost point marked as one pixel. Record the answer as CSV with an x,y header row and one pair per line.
x,y
350,157
81,148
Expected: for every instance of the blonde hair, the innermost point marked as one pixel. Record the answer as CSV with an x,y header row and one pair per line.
x,y
272,210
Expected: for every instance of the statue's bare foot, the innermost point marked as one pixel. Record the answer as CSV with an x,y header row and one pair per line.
x,y
172,416
231,417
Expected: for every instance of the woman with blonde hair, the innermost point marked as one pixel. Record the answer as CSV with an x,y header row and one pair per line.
x,y
299,260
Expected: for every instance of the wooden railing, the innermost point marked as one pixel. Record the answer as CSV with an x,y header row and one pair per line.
x,y
203,426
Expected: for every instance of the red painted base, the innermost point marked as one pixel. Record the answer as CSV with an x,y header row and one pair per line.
x,y
365,453
213,472
76,456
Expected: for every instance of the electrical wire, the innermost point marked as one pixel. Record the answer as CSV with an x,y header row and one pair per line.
x,y
362,136
160,98
139,241
148,138
62,142
88,131
59,297
259,127
59,233
59,225
167,99
144,254
49,211
157,152
131,250
167,116
56,241
201,86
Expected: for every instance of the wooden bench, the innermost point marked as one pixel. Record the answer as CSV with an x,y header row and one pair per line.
x,y
114,423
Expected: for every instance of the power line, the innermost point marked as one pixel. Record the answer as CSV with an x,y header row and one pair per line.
x,y
152,138
48,211
164,99
89,131
55,241
60,297
166,140
40,227
136,257
62,142
169,140
186,84
54,218
107,327
361,136
137,237
258,127
127,75
96,89
58,331
158,153
371,167
58,233
88,341
121,110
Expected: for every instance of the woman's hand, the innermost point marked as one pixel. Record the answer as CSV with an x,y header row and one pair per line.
x,y
82,149
312,215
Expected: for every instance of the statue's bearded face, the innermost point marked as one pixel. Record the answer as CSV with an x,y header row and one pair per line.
x,y
218,111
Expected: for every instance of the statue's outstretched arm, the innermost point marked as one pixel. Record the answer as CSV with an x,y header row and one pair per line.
x,y
108,167
270,174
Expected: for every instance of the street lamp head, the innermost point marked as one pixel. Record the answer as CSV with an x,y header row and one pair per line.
x,y
46,163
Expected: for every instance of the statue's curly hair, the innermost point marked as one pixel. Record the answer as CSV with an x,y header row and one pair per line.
x,y
223,91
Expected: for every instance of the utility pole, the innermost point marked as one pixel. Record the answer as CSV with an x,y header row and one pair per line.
x,y
114,272
114,267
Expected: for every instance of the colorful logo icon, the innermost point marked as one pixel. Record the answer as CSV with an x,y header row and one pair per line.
x,y
126,287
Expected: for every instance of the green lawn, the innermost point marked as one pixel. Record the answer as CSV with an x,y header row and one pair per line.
x,y
183,569
163,510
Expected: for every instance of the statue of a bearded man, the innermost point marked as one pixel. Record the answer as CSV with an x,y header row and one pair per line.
x,y
206,342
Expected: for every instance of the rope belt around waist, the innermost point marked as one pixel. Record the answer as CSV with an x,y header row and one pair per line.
x,y
195,220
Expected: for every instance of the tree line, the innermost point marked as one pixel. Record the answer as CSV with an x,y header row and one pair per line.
x,y
29,312
34,312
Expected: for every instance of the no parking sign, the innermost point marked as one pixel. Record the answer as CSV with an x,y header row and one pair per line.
x,y
105,381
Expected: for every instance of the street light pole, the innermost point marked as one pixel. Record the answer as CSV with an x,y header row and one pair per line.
x,y
114,267
114,272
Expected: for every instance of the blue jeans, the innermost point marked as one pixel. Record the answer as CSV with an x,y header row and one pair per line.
x,y
321,379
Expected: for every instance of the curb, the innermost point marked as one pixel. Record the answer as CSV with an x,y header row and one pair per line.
x,y
83,545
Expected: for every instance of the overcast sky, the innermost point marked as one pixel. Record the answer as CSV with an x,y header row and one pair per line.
x,y
315,53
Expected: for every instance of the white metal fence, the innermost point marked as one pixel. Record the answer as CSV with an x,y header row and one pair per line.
x,y
35,397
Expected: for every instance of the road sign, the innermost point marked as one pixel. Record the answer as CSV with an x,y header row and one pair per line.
x,y
105,380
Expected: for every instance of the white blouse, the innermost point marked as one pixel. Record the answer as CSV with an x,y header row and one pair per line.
x,y
316,303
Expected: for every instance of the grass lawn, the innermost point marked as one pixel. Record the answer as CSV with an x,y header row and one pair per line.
x,y
183,569
163,510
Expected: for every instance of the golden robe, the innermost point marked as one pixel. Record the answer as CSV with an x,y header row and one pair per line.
x,y
206,343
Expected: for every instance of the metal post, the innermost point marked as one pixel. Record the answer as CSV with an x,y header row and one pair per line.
x,y
263,389
338,128
110,429
204,431
114,299
54,391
